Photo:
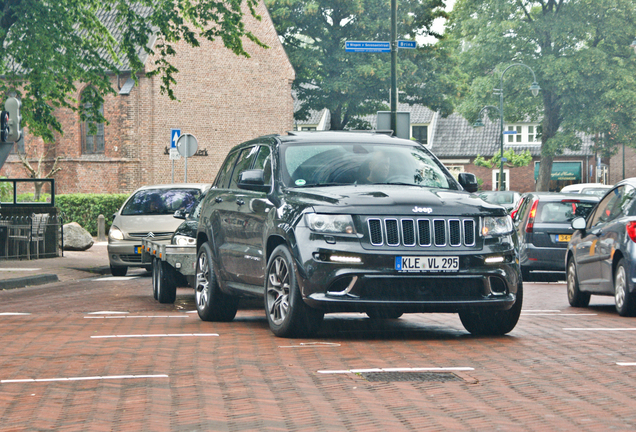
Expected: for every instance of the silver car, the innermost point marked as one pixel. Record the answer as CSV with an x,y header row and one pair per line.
x,y
148,212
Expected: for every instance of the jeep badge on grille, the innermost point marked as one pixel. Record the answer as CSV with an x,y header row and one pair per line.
x,y
422,210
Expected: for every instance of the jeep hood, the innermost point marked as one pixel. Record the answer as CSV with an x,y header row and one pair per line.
x,y
391,200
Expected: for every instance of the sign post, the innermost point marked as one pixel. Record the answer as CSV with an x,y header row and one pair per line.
x,y
187,145
174,137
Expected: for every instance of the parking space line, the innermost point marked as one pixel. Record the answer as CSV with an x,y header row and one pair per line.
x,y
539,310
13,313
106,313
311,345
136,316
625,364
156,335
110,377
601,329
558,314
428,369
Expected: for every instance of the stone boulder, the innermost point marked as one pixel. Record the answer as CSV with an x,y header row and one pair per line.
x,y
76,238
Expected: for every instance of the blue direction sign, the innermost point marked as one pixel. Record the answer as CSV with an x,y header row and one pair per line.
x,y
407,44
367,46
174,137
510,132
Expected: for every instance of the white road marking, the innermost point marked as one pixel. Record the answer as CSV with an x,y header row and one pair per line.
x,y
20,269
429,369
156,335
82,378
13,313
558,314
601,329
626,364
136,316
539,310
105,313
115,278
311,345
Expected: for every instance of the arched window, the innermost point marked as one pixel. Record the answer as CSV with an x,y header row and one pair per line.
x,y
92,137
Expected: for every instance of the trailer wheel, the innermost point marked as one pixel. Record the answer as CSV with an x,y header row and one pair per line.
x,y
166,282
155,270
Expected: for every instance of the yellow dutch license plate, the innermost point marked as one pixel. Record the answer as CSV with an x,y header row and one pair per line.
x,y
564,237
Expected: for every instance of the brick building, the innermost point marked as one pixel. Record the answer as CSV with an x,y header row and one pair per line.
x,y
223,99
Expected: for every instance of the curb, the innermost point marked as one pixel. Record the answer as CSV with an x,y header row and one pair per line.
x,y
27,281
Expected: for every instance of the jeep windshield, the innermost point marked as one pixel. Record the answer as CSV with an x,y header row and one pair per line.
x,y
329,164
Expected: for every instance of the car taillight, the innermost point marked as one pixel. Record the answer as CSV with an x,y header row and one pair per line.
x,y
533,212
631,230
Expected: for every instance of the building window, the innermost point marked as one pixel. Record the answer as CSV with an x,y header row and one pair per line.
x,y
495,180
522,134
308,128
92,138
420,133
455,170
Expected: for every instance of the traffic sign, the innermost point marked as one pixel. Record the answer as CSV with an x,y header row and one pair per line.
x,y
174,137
174,154
407,44
510,132
367,46
187,145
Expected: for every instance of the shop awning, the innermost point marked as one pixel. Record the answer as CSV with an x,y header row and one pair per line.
x,y
562,170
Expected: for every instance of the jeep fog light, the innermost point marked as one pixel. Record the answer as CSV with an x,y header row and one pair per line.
x,y
494,260
324,223
345,259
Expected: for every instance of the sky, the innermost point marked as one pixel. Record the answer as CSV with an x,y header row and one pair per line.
x,y
438,25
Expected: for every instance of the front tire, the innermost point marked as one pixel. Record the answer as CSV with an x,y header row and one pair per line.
x,y
118,271
576,297
493,323
287,313
625,302
212,303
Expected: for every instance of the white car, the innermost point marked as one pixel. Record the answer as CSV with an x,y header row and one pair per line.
x,y
597,189
148,213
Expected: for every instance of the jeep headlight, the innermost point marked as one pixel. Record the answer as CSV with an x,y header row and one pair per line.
x,y
496,226
182,240
324,223
115,233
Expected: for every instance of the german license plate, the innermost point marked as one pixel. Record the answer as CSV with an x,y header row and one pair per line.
x,y
563,237
138,249
427,264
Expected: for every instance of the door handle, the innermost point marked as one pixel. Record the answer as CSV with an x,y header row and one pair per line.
x,y
239,201
218,199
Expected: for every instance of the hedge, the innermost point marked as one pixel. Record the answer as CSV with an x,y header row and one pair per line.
x,y
85,208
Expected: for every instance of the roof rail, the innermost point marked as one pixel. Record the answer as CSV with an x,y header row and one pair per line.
x,y
388,132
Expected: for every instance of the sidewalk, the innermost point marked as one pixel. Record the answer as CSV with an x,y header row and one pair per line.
x,y
73,265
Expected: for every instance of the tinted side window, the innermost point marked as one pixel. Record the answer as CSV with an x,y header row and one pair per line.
x,y
609,207
223,177
264,162
244,162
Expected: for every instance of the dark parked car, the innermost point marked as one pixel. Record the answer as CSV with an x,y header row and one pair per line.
x,y
352,222
601,257
506,199
543,224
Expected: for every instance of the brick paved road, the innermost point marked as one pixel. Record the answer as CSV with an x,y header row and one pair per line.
x,y
62,368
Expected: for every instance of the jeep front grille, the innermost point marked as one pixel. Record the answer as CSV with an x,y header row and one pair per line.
x,y
421,232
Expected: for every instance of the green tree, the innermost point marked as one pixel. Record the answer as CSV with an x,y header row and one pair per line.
x,y
579,50
514,159
48,46
351,85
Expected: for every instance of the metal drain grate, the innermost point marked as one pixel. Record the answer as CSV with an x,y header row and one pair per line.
x,y
411,376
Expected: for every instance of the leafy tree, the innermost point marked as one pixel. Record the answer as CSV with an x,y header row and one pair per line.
x,y
48,46
580,52
357,84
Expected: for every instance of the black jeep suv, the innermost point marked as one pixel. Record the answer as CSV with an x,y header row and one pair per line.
x,y
352,222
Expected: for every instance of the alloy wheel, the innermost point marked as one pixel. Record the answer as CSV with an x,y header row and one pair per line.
x,y
278,291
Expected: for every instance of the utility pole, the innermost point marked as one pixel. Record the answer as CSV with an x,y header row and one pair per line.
x,y
394,52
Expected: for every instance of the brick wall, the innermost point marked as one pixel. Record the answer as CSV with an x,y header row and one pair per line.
x,y
223,100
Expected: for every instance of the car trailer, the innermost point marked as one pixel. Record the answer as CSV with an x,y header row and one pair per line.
x,y
172,266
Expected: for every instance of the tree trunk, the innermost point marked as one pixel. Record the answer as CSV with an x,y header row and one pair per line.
x,y
550,124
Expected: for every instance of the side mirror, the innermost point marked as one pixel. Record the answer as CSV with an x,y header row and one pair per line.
x,y
253,180
468,181
578,223
180,214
